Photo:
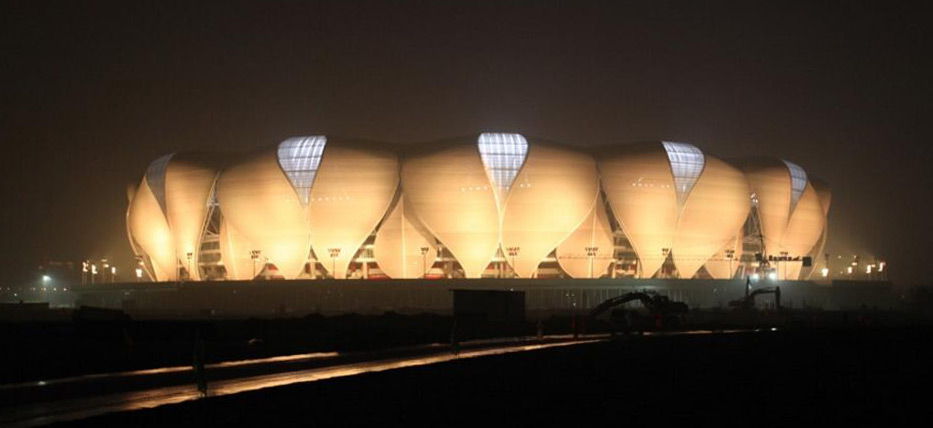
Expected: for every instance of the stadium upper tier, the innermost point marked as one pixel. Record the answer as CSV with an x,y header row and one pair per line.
x,y
492,204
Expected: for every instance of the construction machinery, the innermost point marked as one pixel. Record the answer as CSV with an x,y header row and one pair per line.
x,y
662,312
748,302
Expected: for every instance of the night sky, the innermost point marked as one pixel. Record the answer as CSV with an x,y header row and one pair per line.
x,y
91,92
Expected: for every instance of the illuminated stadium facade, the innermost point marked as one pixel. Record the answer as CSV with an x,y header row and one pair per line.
x,y
493,205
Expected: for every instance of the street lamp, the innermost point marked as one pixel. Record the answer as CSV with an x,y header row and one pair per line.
x,y
190,256
254,255
93,272
730,254
591,253
513,252
783,259
113,274
334,253
424,262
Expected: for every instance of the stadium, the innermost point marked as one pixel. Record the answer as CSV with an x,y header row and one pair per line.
x,y
493,205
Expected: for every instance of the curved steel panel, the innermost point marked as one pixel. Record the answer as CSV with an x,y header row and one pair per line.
x,y
350,195
235,253
719,266
825,194
188,185
259,201
716,207
640,187
805,226
594,232
769,180
399,244
150,230
451,195
550,197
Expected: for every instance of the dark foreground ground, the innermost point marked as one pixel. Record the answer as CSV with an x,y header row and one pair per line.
x,y
860,376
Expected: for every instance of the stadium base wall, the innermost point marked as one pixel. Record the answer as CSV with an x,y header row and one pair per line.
x,y
238,299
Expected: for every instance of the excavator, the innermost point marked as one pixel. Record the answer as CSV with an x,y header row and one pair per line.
x,y
748,302
663,313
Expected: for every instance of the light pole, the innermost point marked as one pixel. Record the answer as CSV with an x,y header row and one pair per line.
x,y
424,262
784,264
730,254
84,269
113,274
93,272
591,253
664,253
139,268
334,253
254,255
513,252
190,256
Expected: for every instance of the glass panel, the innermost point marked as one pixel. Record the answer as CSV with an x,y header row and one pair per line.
x,y
503,156
299,158
155,176
798,182
686,163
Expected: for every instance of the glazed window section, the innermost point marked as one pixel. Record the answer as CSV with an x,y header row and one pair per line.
x,y
798,182
503,156
155,176
299,158
686,163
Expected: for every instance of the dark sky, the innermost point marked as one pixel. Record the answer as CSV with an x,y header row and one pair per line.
x,y
90,92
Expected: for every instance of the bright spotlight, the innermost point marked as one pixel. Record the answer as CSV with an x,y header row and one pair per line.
x,y
755,277
824,272
772,276
46,278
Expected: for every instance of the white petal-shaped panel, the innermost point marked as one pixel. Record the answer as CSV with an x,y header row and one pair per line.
x,y
594,232
503,156
769,180
188,185
640,187
259,201
715,209
399,246
150,230
351,194
805,226
551,196
451,195
235,253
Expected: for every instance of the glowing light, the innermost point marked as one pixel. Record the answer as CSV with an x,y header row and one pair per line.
x,y
755,277
824,272
46,278
772,276
299,158
503,156
687,163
